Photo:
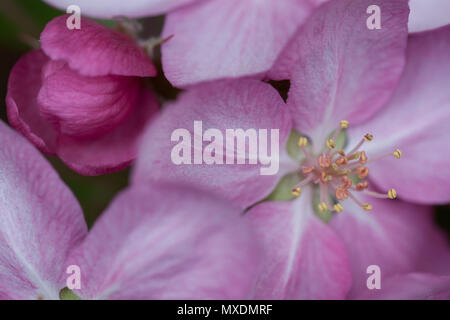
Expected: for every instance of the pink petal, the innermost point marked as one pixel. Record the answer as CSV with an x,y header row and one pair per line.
x,y
428,14
223,39
40,221
412,286
341,69
22,107
120,8
95,50
85,107
244,104
304,259
113,151
158,242
415,121
396,236
91,155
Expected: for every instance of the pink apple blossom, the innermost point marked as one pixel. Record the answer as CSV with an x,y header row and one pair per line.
x,y
81,97
374,81
153,242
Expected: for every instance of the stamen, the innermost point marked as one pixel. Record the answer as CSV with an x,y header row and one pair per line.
x,y
354,156
367,137
341,194
341,160
331,144
324,161
297,191
344,124
308,170
363,172
367,207
363,157
338,207
347,182
302,142
298,188
362,185
392,194
322,207
398,153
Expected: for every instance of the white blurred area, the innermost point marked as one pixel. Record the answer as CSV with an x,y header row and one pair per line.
x,y
428,14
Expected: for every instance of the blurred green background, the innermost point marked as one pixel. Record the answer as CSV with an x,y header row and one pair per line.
x,y
23,20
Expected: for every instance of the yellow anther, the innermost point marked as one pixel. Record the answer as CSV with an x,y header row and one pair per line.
x,y
338,207
344,124
367,207
322,206
392,194
334,166
302,142
368,137
354,156
331,144
341,152
297,191
397,154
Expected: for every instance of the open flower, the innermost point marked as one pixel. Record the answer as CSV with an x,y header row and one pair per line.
x,y
153,242
342,74
81,96
212,39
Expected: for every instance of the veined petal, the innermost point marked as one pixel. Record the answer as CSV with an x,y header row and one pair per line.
x,y
40,221
339,69
412,286
223,39
415,121
240,104
396,236
94,49
304,258
22,106
160,242
85,107
114,150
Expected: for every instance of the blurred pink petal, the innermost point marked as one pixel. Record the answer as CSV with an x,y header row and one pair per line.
x,y
113,151
412,286
396,236
340,68
416,121
91,122
40,222
223,39
95,50
167,243
244,104
22,105
304,258
82,106
428,14
120,8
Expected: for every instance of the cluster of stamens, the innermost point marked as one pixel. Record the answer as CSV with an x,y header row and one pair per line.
x,y
334,169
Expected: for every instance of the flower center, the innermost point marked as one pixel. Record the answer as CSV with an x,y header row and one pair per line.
x,y
340,174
